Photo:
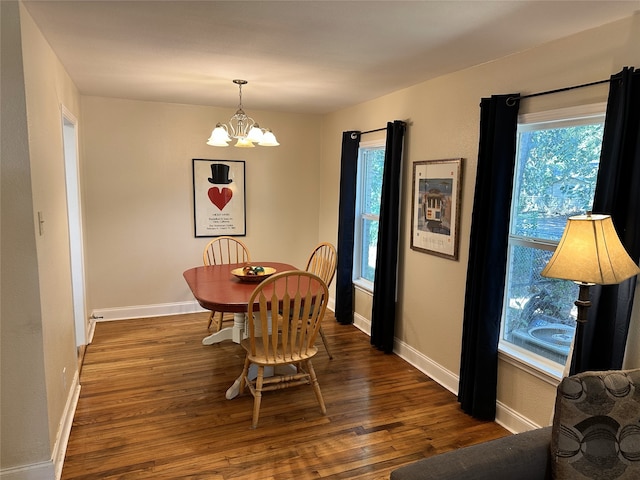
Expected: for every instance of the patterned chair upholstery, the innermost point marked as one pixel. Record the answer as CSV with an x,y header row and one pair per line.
x,y
596,427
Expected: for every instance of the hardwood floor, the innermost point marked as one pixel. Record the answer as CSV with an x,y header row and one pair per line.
x,y
153,405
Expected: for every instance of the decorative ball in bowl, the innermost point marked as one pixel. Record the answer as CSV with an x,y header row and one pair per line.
x,y
253,273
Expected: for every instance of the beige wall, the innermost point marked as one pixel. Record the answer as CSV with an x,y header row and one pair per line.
x,y
137,194
48,88
138,189
38,340
443,116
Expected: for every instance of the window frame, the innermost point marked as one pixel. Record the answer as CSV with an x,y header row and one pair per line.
x,y
361,216
519,356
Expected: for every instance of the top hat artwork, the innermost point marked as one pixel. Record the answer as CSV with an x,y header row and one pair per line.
x,y
219,174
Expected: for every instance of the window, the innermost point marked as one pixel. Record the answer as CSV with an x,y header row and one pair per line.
x,y
557,161
368,193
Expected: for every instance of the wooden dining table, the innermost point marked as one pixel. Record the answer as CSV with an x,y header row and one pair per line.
x,y
217,289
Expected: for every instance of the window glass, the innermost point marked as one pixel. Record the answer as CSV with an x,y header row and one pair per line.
x,y
555,176
370,170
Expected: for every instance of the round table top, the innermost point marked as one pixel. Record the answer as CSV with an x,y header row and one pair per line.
x,y
217,289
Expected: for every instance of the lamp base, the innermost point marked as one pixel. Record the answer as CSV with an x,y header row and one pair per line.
x,y
583,303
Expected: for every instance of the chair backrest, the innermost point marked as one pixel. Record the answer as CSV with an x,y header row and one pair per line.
x,y
323,262
225,250
287,310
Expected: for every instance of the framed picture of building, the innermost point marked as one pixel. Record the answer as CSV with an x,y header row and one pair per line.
x,y
219,197
435,206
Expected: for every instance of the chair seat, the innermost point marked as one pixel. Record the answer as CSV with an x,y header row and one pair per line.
x,y
277,358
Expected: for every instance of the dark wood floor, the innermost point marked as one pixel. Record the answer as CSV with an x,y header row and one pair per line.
x,y
152,405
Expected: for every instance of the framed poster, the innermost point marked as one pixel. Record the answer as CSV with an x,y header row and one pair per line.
x,y
435,206
219,197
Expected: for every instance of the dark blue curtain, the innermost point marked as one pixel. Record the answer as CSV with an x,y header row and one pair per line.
x,y
383,316
488,255
346,219
617,194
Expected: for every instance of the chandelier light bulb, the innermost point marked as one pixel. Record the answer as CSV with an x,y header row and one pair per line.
x,y
269,139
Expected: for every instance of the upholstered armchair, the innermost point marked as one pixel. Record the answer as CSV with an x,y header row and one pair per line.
x,y
595,435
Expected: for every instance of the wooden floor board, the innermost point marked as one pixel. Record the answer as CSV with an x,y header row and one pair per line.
x,y
152,405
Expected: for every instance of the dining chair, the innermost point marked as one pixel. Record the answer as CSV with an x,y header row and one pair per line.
x,y
223,251
282,324
323,261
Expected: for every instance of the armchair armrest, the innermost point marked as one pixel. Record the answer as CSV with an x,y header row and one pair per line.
x,y
524,456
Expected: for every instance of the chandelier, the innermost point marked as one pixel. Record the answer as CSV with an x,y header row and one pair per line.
x,y
243,128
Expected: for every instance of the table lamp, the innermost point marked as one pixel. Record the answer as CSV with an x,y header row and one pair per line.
x,y
589,253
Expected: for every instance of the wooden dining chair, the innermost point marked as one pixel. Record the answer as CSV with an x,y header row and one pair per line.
x,y
283,322
323,262
223,251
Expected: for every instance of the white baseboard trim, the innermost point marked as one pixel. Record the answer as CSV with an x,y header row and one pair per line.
x,y
427,366
35,471
51,469
512,420
91,331
146,311
362,323
505,416
64,430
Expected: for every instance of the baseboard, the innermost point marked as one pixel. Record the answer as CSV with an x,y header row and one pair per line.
x,y
512,420
362,323
505,416
51,469
64,431
158,310
146,311
36,471
427,366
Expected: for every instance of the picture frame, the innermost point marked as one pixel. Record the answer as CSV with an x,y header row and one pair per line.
x,y
435,207
219,199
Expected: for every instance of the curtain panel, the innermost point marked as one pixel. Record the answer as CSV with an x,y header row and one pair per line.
x,y
488,255
346,223
383,315
617,194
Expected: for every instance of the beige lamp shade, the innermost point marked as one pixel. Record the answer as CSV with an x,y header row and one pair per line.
x,y
591,252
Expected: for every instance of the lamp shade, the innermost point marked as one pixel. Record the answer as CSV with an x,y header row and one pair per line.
x,y
244,142
591,252
269,139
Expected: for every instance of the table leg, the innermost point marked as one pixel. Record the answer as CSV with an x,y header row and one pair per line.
x,y
235,333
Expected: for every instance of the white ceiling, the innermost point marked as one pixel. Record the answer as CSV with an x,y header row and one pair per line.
x,y
306,56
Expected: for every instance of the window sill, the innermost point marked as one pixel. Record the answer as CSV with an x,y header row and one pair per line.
x,y
546,371
364,285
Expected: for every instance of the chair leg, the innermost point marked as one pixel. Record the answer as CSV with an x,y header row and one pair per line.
x,y
257,397
220,320
243,376
213,314
316,386
326,344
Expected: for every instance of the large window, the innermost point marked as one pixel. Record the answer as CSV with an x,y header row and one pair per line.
x,y
369,189
556,169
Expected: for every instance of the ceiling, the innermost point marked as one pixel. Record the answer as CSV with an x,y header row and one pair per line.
x,y
306,56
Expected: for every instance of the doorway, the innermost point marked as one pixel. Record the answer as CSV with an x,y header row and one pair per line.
x,y
74,214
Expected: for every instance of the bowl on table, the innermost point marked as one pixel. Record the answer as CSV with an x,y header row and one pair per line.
x,y
253,273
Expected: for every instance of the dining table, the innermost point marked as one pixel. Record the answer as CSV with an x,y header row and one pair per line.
x,y
217,288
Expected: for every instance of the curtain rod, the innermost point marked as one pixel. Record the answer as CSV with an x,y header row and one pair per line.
x,y
372,131
511,100
354,135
